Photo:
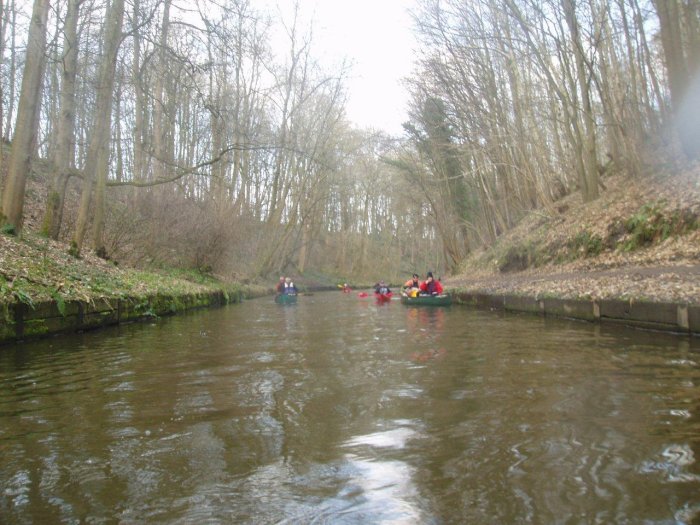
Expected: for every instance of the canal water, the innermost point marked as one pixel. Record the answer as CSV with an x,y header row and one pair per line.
x,y
339,410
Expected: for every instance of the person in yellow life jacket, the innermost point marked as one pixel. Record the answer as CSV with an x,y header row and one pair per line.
x,y
412,286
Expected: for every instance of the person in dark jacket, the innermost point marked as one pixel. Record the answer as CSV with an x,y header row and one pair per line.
x,y
381,288
430,286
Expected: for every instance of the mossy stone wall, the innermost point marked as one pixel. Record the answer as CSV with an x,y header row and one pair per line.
x,y
19,321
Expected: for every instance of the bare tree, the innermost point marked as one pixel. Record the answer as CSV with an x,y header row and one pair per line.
x,y
97,160
589,178
680,37
27,123
64,152
8,21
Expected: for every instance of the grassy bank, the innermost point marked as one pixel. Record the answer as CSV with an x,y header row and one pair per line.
x,y
43,289
35,269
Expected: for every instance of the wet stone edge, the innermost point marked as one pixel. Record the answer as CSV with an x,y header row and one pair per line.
x,y
669,317
21,322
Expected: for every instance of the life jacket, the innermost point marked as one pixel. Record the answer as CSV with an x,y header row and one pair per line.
x,y
431,287
412,283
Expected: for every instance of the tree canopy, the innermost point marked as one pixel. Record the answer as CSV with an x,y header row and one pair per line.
x,y
174,134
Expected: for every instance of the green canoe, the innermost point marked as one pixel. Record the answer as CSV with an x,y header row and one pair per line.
x,y
285,299
427,300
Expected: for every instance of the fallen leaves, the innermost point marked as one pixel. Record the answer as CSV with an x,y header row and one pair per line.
x,y
666,271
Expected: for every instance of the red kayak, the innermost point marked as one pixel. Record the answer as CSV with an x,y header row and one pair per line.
x,y
383,297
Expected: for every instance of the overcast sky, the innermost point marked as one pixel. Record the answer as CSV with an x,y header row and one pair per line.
x,y
375,36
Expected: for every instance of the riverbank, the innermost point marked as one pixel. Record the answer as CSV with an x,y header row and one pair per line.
x,y
632,256
44,290
658,298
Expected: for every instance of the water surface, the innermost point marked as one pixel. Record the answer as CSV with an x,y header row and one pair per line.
x,y
338,410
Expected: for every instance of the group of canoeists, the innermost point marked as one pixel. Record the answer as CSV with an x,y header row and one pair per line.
x,y
414,287
285,286
411,288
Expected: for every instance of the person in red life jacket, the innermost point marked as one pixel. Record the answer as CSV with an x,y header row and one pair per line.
x,y
280,286
430,286
382,289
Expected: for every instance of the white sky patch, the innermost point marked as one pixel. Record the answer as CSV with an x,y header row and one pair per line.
x,y
375,38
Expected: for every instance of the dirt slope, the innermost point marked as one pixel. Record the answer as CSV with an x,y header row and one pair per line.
x,y
640,240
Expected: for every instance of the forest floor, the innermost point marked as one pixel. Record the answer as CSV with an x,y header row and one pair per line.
x,y
640,241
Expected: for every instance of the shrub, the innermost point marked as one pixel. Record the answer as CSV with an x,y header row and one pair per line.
x,y
9,229
518,258
586,244
652,224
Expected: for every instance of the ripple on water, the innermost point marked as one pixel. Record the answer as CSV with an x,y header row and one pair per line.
x,y
263,357
406,391
381,492
396,438
672,463
318,414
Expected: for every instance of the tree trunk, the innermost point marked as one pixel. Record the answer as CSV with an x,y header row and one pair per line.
x,y
670,28
64,153
590,165
682,75
11,19
97,161
139,102
24,142
159,149
4,21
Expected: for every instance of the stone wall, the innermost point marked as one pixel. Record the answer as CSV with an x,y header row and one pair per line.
x,y
671,317
19,321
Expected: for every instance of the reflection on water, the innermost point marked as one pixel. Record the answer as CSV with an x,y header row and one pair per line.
x,y
339,410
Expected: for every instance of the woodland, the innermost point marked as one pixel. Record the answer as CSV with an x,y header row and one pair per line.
x,y
172,134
